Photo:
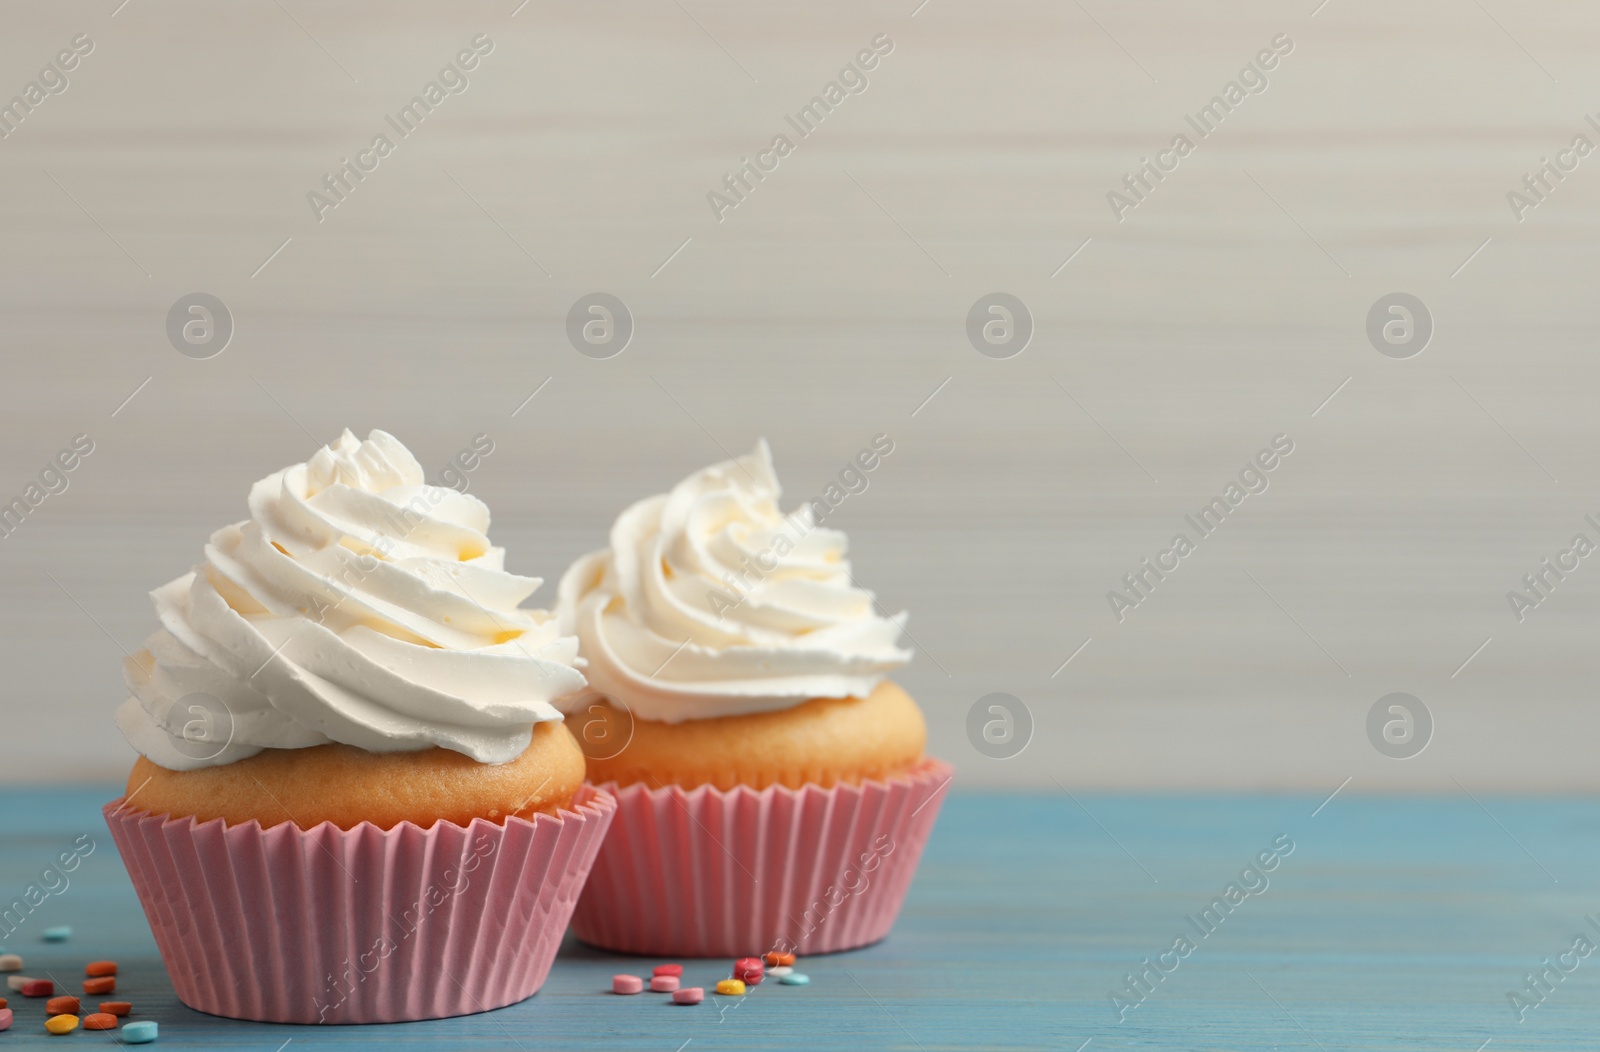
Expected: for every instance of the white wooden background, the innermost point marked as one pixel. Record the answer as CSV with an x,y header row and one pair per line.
x,y
826,308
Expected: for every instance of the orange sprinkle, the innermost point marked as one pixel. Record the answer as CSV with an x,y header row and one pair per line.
x,y
116,1007
100,1021
61,1006
97,969
778,960
106,985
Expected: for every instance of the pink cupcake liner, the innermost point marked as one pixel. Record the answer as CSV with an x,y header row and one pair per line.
x,y
713,873
366,925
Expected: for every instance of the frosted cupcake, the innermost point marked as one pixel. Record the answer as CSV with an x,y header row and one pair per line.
x,y
772,788
353,774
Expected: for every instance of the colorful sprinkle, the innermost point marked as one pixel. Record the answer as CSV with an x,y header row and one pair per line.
x,y
17,982
778,960
104,985
664,984
668,969
689,995
116,1007
780,971
61,934
10,962
626,984
795,979
140,1033
730,986
38,988
61,1024
750,969
62,1006
96,969
5,1019
100,1021
3,1002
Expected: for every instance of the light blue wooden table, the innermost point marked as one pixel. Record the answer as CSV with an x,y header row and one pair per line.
x,y
1395,923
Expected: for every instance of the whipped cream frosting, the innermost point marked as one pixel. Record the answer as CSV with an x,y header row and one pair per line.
x,y
357,605
711,602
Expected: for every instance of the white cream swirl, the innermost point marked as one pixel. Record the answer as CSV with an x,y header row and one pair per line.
x,y
711,602
358,605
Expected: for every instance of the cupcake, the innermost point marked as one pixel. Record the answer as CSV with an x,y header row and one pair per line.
x,y
771,782
355,799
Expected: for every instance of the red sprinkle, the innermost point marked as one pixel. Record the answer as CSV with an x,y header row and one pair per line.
x,y
96,969
3,1002
100,1021
749,969
61,1006
689,995
668,969
116,1007
664,984
105,985
38,988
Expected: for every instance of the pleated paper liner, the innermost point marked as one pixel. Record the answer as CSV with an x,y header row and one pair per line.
x,y
713,873
285,925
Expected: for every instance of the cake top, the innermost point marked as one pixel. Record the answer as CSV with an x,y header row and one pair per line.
x,y
712,602
357,604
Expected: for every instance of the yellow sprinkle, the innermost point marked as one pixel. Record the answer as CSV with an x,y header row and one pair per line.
x,y
726,986
61,1024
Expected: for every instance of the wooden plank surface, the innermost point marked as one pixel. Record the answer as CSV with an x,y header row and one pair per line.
x,y
1394,923
1228,307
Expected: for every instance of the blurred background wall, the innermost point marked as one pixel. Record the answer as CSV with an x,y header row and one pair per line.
x,y
1174,337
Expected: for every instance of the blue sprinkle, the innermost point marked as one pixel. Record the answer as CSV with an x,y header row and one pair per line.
x,y
61,934
141,1033
795,979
